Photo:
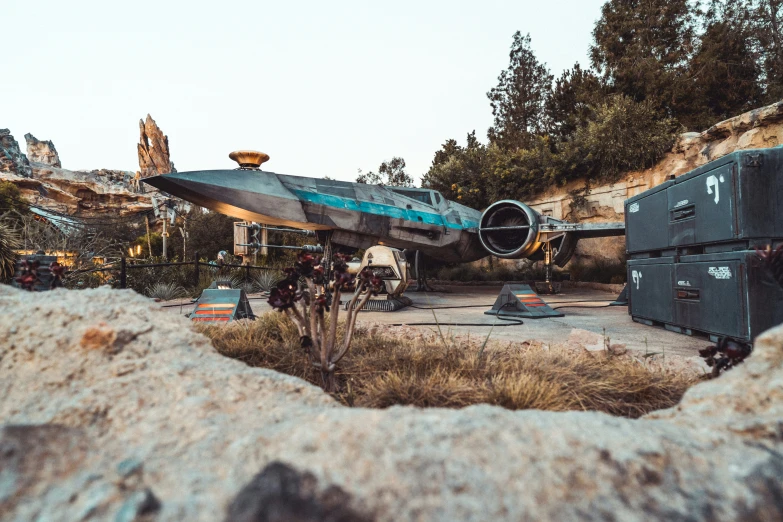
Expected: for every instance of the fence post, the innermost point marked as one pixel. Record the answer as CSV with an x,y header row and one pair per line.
x,y
195,271
123,280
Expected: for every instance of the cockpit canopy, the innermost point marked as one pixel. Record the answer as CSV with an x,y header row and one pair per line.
x,y
422,195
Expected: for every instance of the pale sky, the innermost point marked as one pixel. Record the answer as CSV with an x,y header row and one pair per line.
x,y
324,88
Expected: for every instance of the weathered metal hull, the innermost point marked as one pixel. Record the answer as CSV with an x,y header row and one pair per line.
x,y
359,215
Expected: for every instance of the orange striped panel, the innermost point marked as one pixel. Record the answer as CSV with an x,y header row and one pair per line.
x,y
214,312
217,305
211,318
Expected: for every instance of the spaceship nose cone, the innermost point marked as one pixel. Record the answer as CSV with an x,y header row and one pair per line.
x,y
251,195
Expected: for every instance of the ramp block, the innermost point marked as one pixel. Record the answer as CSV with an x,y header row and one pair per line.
x,y
221,306
521,301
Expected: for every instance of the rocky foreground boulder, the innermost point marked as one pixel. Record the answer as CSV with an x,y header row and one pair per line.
x,y
112,410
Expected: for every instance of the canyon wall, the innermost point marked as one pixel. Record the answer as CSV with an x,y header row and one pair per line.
x,y
45,184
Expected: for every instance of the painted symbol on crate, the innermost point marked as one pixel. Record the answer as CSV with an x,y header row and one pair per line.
x,y
681,203
636,277
719,272
633,207
683,283
712,181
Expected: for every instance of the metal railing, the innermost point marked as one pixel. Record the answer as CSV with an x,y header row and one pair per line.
x,y
125,266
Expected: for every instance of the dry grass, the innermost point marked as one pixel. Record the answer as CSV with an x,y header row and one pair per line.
x,y
383,370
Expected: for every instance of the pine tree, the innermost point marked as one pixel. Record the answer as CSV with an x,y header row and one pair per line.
x,y
571,100
642,48
518,100
724,72
768,25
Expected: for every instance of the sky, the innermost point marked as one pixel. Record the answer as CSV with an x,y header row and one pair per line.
x,y
324,88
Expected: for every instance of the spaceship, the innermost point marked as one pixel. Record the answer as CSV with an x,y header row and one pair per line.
x,y
358,216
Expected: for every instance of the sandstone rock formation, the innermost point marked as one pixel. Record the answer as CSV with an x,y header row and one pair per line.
x,y
42,151
45,184
136,415
11,158
153,147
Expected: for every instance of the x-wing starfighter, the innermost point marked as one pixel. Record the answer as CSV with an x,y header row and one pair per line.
x,y
357,215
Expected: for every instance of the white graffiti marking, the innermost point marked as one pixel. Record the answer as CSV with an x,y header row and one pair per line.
x,y
636,277
712,182
720,272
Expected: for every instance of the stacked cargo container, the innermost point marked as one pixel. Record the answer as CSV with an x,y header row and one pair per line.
x,y
692,265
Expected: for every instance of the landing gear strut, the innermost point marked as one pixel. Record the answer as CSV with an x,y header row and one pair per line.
x,y
420,268
548,286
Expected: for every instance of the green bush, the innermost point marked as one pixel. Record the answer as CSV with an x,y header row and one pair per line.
x,y
622,135
619,135
166,291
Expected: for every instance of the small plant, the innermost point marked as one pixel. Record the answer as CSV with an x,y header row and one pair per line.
x,y
238,282
265,281
58,272
166,291
298,296
28,274
9,241
726,354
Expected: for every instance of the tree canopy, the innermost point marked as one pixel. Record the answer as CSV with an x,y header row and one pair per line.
x,y
391,173
658,68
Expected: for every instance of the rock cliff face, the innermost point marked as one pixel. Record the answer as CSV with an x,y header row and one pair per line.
x,y
42,151
153,147
12,160
759,128
137,416
44,183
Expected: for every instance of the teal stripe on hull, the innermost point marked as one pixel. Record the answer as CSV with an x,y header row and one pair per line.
x,y
380,210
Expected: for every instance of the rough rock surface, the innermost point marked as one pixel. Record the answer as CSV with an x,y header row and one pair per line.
x,y
45,184
138,416
12,160
42,151
153,147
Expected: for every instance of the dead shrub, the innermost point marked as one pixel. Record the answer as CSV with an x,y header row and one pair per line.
x,y
383,370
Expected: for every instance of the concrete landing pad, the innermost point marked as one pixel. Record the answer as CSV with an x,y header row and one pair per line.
x,y
593,315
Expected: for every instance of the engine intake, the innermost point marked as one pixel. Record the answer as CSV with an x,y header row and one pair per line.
x,y
510,229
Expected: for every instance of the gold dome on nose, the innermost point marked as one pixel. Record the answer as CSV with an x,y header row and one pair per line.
x,y
249,159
